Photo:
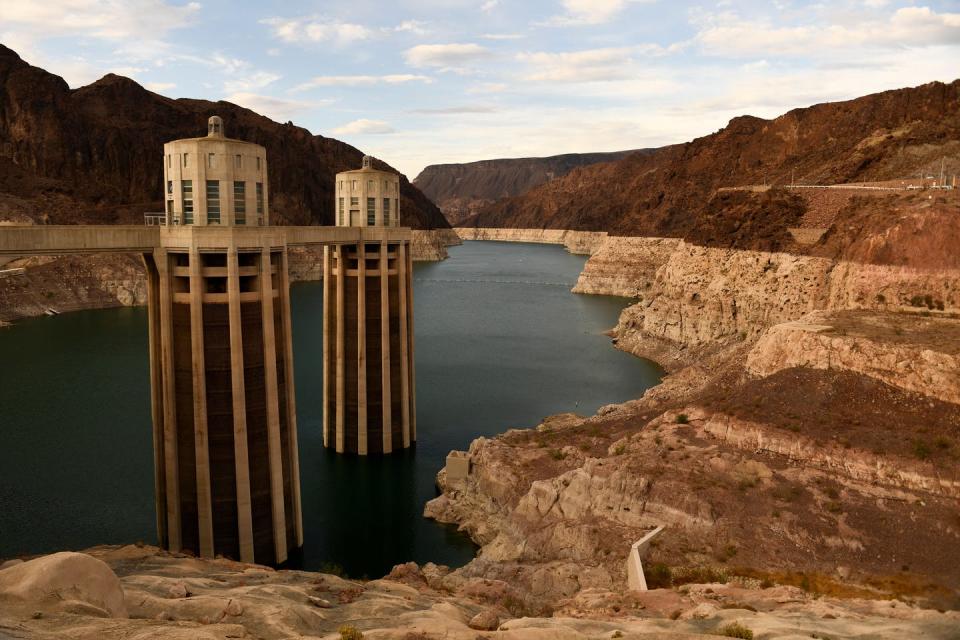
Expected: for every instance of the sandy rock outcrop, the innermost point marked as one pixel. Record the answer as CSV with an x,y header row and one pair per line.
x,y
66,581
922,354
431,246
625,267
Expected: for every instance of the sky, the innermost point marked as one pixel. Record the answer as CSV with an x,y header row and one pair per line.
x,y
418,82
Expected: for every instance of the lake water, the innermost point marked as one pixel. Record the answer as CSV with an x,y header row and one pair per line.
x,y
500,343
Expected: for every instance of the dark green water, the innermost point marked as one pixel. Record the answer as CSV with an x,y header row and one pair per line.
x,y
500,343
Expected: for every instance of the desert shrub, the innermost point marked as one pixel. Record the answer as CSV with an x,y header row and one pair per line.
x,y
683,418
921,449
619,451
942,443
736,630
350,632
556,454
659,576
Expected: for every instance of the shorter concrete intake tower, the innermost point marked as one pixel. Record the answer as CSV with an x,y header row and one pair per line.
x,y
369,389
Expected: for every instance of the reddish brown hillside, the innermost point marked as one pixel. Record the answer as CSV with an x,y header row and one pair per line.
x,y
671,191
92,154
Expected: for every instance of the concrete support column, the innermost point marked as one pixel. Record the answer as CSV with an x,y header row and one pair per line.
x,y
156,395
170,460
362,445
404,347
327,369
238,391
385,346
274,444
294,453
341,356
200,435
410,340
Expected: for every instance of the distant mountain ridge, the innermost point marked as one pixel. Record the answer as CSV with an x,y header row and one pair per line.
x,y
673,190
93,154
462,189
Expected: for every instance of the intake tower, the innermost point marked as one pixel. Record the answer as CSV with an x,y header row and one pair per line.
x,y
369,389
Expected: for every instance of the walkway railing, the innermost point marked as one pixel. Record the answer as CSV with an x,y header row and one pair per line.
x,y
154,219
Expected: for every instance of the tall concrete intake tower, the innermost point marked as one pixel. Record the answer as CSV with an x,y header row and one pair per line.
x,y
227,472
225,428
369,390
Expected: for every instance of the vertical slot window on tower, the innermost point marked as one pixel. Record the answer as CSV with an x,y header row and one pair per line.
x,y
186,160
169,187
186,196
213,202
340,210
258,163
371,211
240,202
238,161
211,160
386,212
259,203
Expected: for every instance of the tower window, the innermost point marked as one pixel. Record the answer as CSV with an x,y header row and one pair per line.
x,y
340,209
386,212
258,163
186,159
213,202
371,211
169,187
211,159
353,185
169,161
240,202
238,161
259,196
186,200
370,185
354,202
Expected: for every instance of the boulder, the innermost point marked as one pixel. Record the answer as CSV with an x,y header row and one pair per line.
x,y
486,620
63,580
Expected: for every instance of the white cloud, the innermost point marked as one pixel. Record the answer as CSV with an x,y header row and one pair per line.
x,y
159,87
110,19
277,108
729,34
364,127
251,82
416,27
361,81
489,5
317,29
445,56
586,12
591,65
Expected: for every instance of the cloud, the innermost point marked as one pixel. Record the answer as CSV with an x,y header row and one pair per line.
x,y
588,12
729,35
246,84
590,65
445,56
99,18
277,108
361,81
317,29
489,5
416,27
446,111
364,127
159,87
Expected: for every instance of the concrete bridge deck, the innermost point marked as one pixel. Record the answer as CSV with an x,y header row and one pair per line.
x,y
27,240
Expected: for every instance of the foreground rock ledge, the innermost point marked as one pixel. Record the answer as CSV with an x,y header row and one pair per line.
x,y
171,596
